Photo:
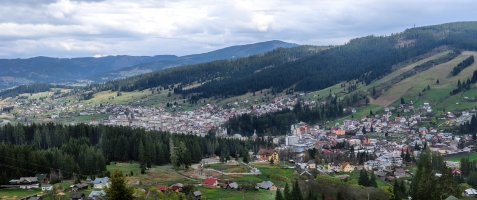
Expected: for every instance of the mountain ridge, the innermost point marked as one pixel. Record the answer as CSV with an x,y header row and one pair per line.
x,y
43,69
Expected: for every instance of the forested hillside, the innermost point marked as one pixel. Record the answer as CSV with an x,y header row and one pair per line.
x,y
365,59
219,70
86,150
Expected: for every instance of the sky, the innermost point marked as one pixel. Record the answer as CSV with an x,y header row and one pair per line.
x,y
84,28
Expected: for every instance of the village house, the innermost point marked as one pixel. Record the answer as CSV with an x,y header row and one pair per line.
x,y
346,167
267,185
43,178
177,187
77,196
96,195
79,186
400,172
471,192
99,183
211,182
267,155
197,195
343,167
311,164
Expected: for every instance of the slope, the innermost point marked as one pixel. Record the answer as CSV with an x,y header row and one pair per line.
x,y
412,88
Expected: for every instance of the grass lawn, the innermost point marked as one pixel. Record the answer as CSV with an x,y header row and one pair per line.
x,y
12,192
355,176
125,168
229,194
472,157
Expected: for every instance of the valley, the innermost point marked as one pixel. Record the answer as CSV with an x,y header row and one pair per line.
x,y
372,116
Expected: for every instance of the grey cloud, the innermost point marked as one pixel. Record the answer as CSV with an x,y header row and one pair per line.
x,y
128,27
38,2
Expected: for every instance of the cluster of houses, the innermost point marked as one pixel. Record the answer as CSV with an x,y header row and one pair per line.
x,y
42,180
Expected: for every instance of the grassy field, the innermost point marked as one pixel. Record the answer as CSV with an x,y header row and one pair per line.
x,y
17,192
236,195
125,168
410,88
355,176
472,157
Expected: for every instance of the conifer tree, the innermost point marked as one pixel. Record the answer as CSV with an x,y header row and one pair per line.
x,y
402,186
396,190
142,163
407,157
246,157
372,181
296,192
427,184
287,192
118,189
279,195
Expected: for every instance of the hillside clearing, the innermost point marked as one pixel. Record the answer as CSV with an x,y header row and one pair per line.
x,y
411,87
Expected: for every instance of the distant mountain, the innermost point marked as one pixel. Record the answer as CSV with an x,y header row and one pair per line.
x,y
55,70
232,52
46,70
239,51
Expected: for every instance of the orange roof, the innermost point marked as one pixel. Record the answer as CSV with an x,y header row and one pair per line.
x,y
345,164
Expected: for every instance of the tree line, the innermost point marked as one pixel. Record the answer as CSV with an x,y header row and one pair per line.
x,y
462,65
465,85
86,150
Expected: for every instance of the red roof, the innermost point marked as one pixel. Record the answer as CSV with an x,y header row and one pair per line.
x,y
210,181
175,187
456,171
327,151
161,187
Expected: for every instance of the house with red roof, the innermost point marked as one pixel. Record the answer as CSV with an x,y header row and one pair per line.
x,y
346,167
456,171
211,182
162,188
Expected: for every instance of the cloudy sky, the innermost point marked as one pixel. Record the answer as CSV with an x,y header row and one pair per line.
x,y
78,28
